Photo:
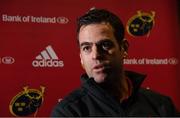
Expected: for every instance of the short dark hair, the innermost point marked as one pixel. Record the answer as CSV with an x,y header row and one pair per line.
x,y
101,15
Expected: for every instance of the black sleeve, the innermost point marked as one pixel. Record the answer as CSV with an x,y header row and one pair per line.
x,y
172,111
162,104
62,110
69,106
58,112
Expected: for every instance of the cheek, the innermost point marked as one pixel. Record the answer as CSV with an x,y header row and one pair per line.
x,y
114,53
85,61
116,57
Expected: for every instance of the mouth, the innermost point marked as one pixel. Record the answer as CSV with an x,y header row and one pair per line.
x,y
99,68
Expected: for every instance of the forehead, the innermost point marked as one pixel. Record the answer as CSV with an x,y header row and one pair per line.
x,y
95,32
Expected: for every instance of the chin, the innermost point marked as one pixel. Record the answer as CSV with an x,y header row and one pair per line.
x,y
100,78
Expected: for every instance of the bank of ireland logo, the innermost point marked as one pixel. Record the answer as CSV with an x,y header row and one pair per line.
x,y
27,102
7,60
141,23
47,58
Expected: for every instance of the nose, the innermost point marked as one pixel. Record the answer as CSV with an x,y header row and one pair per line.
x,y
96,53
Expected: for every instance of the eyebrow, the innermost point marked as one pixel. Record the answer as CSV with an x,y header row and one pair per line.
x,y
85,43
90,43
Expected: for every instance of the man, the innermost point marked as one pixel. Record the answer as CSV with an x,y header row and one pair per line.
x,y
108,90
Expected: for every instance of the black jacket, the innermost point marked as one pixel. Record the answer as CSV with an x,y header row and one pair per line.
x,y
91,100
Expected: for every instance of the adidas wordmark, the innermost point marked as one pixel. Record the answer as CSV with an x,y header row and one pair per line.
x,y
47,58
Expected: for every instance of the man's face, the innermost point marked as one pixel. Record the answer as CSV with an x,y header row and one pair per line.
x,y
100,53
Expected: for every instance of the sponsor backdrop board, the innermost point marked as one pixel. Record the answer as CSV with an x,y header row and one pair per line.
x,y
39,57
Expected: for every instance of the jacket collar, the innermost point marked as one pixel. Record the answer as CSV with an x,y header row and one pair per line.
x,y
136,79
95,90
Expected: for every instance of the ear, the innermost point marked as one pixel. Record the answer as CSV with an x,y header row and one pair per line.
x,y
125,46
82,64
125,55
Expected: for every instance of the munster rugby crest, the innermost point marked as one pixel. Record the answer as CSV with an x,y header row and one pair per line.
x,y
27,102
141,23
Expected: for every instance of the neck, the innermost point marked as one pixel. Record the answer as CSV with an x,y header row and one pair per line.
x,y
117,86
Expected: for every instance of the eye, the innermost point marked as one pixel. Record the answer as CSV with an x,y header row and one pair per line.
x,y
86,48
107,45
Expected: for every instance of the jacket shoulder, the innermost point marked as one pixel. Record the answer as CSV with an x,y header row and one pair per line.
x,y
148,92
62,108
74,96
163,104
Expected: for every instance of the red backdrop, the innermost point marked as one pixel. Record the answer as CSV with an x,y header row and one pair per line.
x,y
32,30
